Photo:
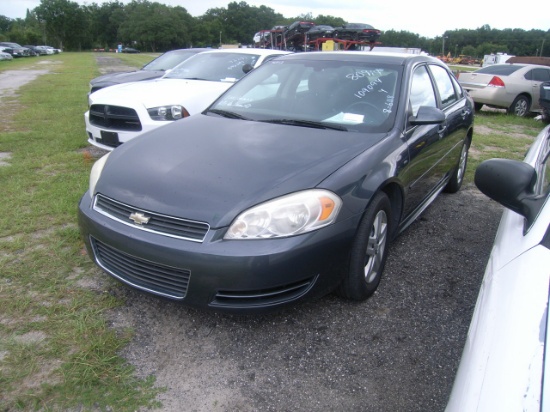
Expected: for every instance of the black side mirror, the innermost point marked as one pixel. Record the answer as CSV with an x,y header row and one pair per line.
x,y
247,67
511,183
427,115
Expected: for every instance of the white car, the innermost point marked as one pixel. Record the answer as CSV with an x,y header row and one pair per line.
x,y
119,113
5,55
47,49
503,364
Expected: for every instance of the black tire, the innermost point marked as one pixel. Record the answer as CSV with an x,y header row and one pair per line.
x,y
478,106
457,178
520,107
368,251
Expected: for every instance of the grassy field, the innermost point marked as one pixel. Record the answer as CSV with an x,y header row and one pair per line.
x,y
57,351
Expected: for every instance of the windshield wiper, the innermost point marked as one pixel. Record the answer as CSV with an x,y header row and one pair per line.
x,y
228,114
306,123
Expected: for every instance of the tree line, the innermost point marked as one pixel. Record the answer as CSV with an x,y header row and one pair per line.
x,y
155,27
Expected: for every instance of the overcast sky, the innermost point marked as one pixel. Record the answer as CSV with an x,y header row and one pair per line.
x,y
428,18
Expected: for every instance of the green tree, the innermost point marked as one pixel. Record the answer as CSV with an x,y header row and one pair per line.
x,y
5,24
64,21
105,21
154,26
329,21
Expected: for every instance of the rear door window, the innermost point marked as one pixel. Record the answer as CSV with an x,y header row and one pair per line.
x,y
444,85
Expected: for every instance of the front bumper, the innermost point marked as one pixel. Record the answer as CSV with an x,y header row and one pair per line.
x,y
109,139
241,276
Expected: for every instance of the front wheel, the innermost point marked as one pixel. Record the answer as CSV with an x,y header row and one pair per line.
x,y
369,251
520,106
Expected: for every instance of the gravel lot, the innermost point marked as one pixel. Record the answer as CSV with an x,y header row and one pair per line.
x,y
396,352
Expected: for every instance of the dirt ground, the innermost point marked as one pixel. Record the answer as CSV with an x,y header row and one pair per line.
x,y
396,352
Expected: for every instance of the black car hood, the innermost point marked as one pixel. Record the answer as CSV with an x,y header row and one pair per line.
x,y
126,77
210,169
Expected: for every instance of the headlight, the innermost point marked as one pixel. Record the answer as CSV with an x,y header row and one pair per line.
x,y
97,168
286,216
166,113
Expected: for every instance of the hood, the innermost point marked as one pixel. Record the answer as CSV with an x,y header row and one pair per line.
x,y
210,169
126,77
194,95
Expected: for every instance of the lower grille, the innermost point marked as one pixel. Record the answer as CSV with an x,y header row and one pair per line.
x,y
149,276
114,117
263,297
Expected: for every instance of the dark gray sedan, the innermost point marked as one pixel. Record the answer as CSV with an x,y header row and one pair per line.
x,y
289,186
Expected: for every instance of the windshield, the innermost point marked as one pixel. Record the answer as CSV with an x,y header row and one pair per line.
x,y
169,60
217,67
345,95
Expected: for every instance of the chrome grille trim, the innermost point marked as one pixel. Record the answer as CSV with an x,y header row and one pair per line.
x,y
142,274
160,224
263,297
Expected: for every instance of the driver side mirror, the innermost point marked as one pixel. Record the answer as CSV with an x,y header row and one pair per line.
x,y
247,67
427,115
511,183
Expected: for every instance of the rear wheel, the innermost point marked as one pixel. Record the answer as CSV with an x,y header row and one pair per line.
x,y
457,177
369,251
520,106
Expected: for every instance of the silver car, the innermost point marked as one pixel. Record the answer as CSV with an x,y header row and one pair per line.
x,y
514,87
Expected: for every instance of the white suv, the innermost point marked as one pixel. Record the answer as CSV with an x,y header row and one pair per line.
x,y
119,113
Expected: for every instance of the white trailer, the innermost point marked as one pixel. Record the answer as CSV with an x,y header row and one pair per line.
x,y
490,59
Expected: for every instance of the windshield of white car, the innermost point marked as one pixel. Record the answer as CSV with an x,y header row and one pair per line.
x,y
216,67
168,60
344,95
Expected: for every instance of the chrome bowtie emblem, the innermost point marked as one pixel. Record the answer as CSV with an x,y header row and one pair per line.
x,y
139,218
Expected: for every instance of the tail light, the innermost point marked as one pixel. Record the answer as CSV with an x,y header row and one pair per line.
x,y
496,82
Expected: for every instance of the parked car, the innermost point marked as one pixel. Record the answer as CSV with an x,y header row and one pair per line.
x,y
320,32
290,185
36,50
152,70
295,35
16,49
4,55
357,32
505,357
544,101
120,113
298,29
514,87
47,49
130,50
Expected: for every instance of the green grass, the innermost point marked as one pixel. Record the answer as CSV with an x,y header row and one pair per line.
x,y
136,59
57,351
497,134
